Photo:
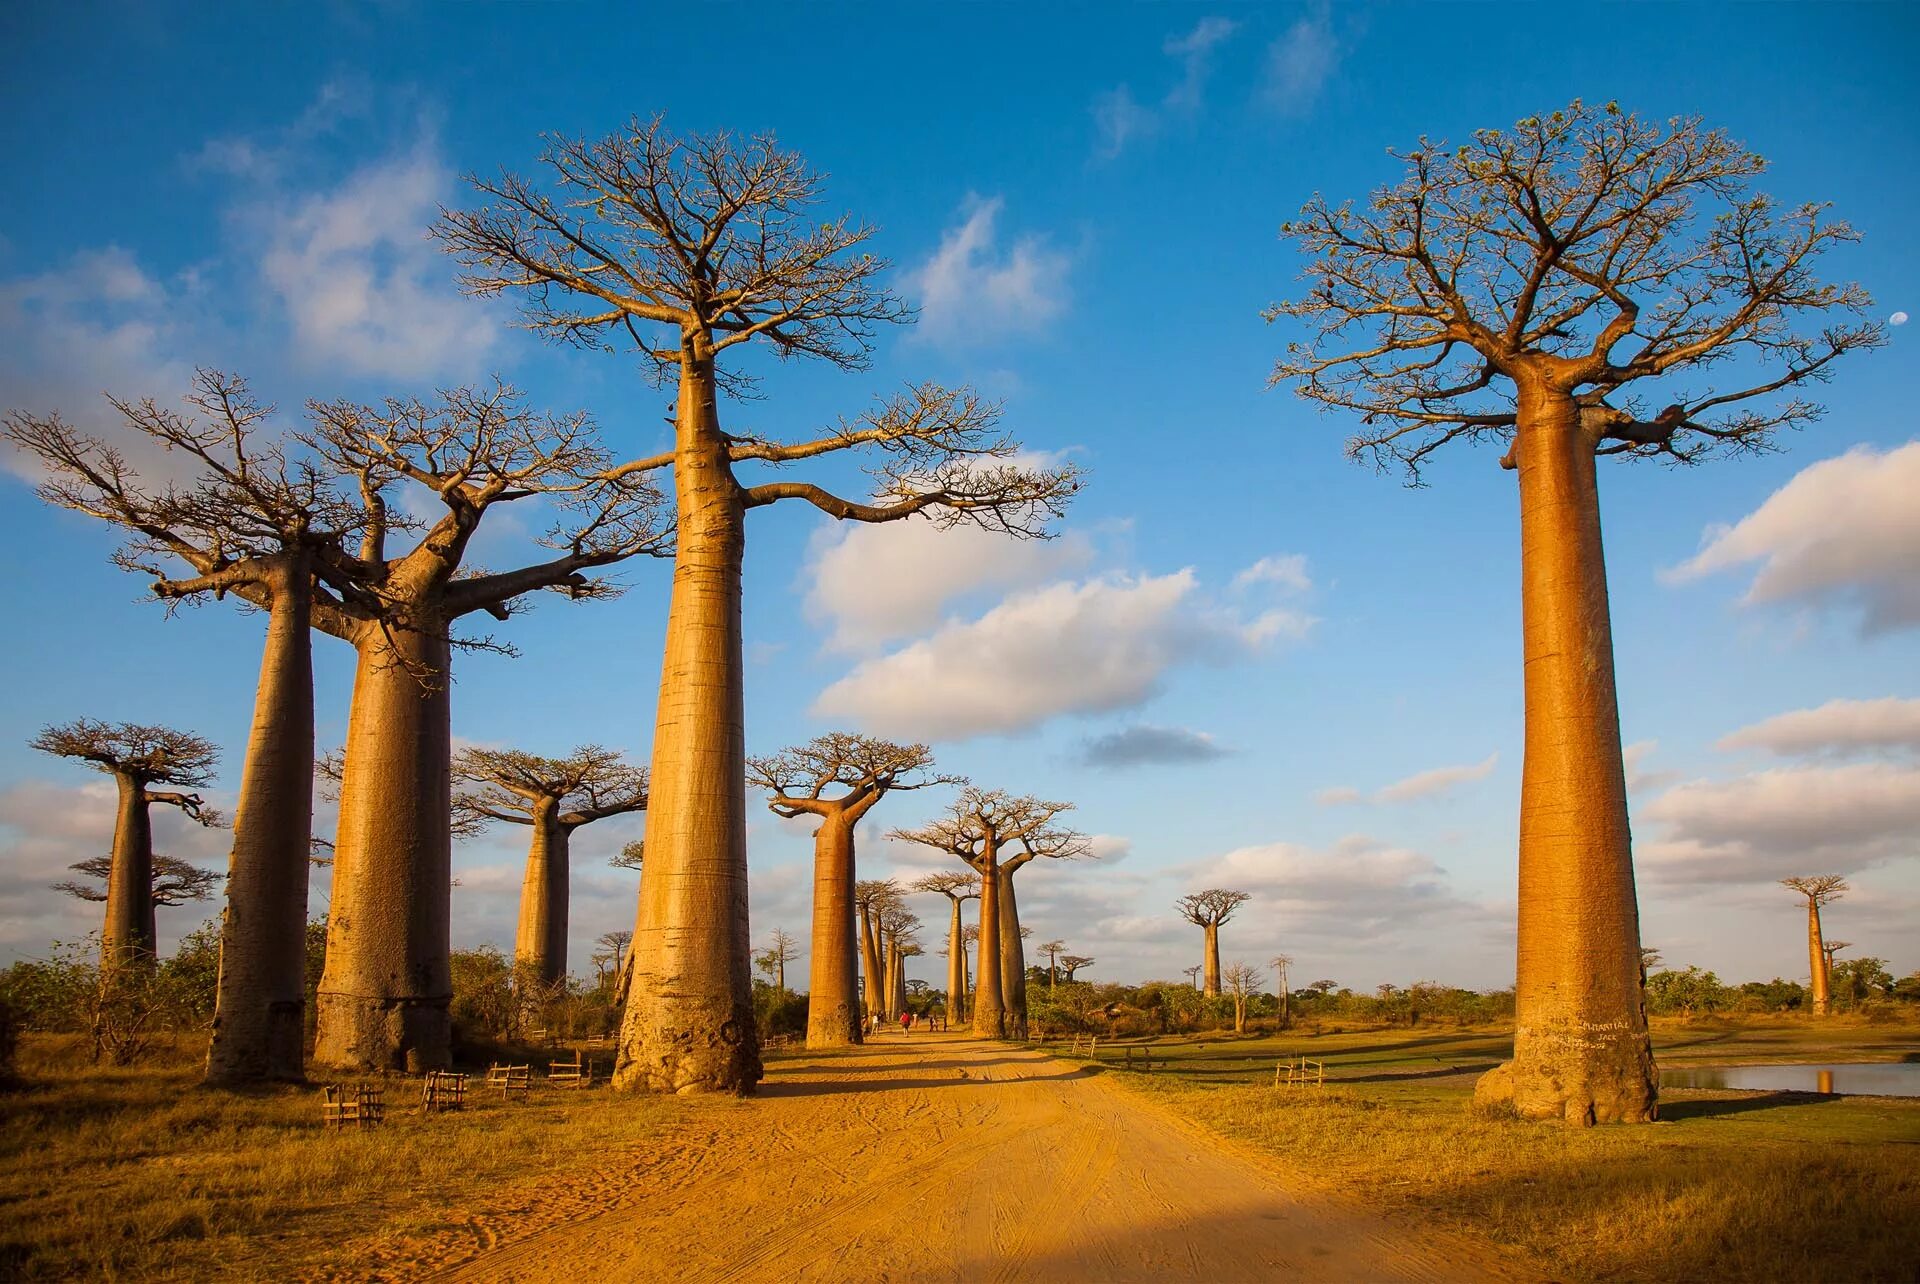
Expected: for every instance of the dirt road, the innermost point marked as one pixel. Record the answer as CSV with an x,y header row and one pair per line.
x,y
929,1158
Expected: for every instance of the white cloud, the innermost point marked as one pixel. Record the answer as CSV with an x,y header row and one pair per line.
x,y
48,827
1844,532
1091,647
98,323
1144,745
1786,821
1288,570
1300,63
1356,890
1422,784
362,285
874,584
1120,119
1839,727
1642,779
971,291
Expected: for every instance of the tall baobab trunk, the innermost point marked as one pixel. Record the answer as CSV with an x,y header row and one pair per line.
x,y
1581,1050
540,944
899,979
833,998
870,963
1210,978
689,1024
956,967
259,1023
890,979
1013,961
1821,978
128,936
989,1007
384,993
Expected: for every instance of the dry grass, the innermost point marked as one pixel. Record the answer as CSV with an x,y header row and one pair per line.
x,y
139,1173
1730,1186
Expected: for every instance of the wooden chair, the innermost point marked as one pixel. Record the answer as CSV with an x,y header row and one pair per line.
x,y
443,1090
577,1073
363,1106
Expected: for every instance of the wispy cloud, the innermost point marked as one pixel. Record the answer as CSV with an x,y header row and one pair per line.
x,y
1422,784
1121,119
1301,62
1144,745
1844,532
972,291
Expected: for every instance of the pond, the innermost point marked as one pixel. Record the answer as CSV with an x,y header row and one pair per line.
x,y
1883,1079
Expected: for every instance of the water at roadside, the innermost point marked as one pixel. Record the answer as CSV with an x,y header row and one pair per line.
x,y
1883,1079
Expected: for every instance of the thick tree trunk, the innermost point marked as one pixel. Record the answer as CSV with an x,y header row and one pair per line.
x,y
1817,951
870,964
899,979
890,978
1286,1001
956,967
259,1022
540,944
128,933
1210,978
1013,961
689,1025
1581,1051
833,999
384,993
989,1008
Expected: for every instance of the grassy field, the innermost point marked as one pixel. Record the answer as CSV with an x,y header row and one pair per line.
x,y
1736,1186
138,1174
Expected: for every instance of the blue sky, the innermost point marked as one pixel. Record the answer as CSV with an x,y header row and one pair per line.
x,y
1321,665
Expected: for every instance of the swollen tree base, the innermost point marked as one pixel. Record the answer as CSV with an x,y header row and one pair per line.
x,y
707,1051
409,1035
1581,1076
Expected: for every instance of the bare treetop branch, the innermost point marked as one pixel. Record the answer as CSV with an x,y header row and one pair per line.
x,y
1588,252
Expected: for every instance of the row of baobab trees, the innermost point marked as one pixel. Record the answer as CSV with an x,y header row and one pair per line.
x,y
1586,284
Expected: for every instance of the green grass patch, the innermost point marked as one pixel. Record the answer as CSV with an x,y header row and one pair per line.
x,y
1735,1186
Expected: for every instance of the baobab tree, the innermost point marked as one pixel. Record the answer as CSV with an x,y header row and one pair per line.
x,y
859,771
384,992
553,797
1055,845
782,949
690,250
609,961
1072,963
980,827
1192,974
1818,890
1829,949
873,898
249,523
1240,980
1569,288
895,925
1053,950
1280,963
1208,910
138,758
957,888
175,881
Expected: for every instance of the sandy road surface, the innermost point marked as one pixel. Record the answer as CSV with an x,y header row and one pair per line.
x,y
930,1158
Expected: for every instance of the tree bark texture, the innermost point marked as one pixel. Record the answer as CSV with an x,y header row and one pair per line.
x,y
259,1025
128,934
1581,1051
956,967
989,1007
833,997
540,943
1210,978
1013,961
1820,981
689,1023
870,964
384,993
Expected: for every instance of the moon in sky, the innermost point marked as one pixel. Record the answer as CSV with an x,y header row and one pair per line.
x,y
1898,318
